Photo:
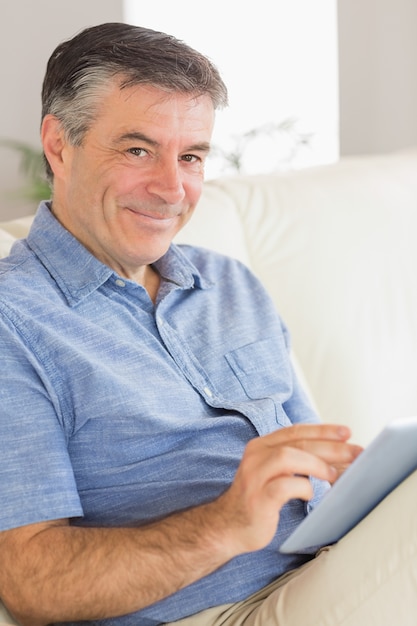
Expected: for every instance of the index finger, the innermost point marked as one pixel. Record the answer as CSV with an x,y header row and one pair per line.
x,y
324,432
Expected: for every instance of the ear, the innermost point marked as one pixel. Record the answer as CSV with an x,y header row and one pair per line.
x,y
54,144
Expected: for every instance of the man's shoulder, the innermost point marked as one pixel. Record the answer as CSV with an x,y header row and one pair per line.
x,y
22,278
20,261
16,263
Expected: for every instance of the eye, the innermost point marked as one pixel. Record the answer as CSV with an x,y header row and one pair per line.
x,y
190,158
138,152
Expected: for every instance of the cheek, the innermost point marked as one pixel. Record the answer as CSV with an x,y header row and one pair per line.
x,y
114,187
128,181
86,184
193,188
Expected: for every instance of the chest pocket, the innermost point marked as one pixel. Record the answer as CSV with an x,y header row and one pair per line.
x,y
263,369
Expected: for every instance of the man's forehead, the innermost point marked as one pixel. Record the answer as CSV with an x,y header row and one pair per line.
x,y
131,111
150,99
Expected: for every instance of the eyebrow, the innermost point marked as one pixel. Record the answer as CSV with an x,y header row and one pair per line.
x,y
141,137
136,136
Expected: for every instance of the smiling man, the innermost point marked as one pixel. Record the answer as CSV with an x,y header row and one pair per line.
x,y
155,446
139,171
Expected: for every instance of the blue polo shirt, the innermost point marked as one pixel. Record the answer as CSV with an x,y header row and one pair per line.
x,y
115,411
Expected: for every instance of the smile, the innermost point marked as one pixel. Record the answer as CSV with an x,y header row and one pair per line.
x,y
153,217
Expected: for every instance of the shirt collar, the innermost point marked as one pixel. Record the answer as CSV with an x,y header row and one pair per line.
x,y
78,273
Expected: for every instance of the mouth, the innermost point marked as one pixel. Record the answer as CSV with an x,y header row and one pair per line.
x,y
153,216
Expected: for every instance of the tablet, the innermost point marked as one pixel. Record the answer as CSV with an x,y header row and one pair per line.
x,y
388,460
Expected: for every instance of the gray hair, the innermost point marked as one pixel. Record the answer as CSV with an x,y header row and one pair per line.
x,y
80,71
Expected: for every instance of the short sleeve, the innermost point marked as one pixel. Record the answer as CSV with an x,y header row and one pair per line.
x,y
37,482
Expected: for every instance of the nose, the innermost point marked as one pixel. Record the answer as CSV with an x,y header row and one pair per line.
x,y
166,182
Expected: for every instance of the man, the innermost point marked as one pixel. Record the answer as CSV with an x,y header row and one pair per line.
x,y
156,447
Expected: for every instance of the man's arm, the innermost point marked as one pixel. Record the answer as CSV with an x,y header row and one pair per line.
x,y
56,572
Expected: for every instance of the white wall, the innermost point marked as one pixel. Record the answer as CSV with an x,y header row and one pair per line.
x,y
378,75
29,31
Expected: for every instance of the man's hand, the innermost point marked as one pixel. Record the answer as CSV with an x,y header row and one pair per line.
x,y
275,469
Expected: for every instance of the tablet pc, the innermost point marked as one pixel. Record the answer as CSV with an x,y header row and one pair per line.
x,y
388,460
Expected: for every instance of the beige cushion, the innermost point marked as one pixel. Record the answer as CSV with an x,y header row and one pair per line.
x,y
217,223
18,227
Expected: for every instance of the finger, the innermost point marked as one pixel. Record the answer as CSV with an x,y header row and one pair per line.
x,y
340,469
262,463
335,452
331,432
286,488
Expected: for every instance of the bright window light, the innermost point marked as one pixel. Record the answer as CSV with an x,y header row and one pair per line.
x,y
279,61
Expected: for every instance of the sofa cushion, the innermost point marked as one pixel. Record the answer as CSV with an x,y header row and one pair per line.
x,y
217,223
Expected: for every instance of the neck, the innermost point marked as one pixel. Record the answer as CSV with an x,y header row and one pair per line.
x,y
151,282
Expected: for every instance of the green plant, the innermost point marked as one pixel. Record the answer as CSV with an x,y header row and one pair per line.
x,y
32,168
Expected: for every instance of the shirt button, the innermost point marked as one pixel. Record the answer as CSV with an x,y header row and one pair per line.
x,y
208,392
120,283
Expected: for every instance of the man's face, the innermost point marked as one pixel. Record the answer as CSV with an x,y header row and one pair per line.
x,y
137,177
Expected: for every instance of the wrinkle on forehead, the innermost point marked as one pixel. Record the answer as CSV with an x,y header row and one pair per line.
x,y
163,95
149,98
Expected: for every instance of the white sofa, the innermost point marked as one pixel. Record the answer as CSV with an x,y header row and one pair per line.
x,y
336,246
